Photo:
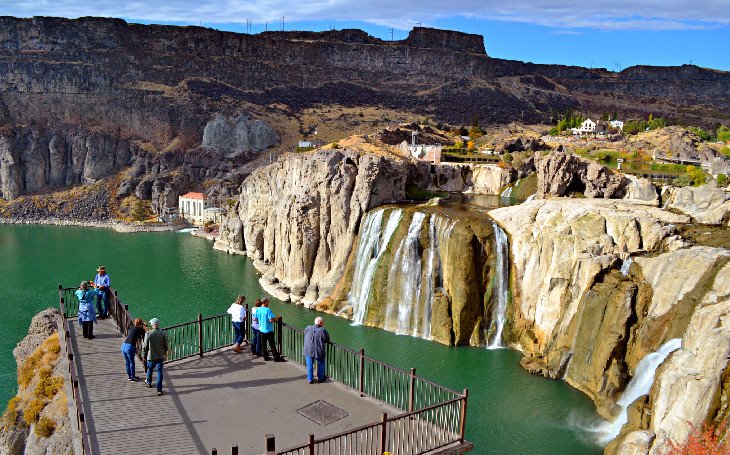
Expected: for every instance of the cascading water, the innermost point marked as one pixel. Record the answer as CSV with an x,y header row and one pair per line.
x,y
501,287
406,270
639,385
373,241
626,265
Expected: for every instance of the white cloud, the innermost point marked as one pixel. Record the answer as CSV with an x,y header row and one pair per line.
x,y
565,15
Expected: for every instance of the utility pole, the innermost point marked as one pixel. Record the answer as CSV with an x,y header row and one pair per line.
x,y
248,26
591,64
390,30
282,23
266,26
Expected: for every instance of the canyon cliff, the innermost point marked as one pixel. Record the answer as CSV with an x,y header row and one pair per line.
x,y
159,110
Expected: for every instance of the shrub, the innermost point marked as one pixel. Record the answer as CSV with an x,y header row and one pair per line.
x,y
33,410
48,387
725,151
723,133
682,180
11,413
709,440
45,427
335,145
721,179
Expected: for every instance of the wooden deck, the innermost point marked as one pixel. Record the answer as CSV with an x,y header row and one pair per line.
x,y
221,400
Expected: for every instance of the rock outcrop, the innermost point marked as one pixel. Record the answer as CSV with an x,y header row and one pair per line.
x,y
297,218
559,174
642,191
36,421
467,178
230,137
706,204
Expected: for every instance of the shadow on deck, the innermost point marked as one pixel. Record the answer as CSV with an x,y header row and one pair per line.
x,y
218,401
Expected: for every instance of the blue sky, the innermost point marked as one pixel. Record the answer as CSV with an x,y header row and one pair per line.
x,y
611,35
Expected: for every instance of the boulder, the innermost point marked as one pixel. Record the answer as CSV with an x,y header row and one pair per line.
x,y
559,174
706,204
642,191
231,136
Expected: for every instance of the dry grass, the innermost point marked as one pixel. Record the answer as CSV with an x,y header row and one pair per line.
x,y
32,410
45,427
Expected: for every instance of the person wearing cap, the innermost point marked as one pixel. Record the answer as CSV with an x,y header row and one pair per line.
x,y
316,338
238,315
102,285
266,319
154,350
87,316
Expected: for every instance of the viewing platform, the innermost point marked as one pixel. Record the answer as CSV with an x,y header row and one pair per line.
x,y
216,401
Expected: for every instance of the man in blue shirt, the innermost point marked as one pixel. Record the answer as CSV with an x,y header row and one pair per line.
x,y
102,285
266,319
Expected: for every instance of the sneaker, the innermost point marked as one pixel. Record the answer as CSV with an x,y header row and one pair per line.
x,y
148,384
268,359
134,379
130,379
311,382
280,359
92,337
324,379
159,394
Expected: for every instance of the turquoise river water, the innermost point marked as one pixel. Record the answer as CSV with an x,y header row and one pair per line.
x,y
175,276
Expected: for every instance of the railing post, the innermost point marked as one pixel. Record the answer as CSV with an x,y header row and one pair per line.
x,y
462,425
383,432
234,450
311,444
280,334
126,320
247,324
215,451
412,390
270,444
200,335
362,372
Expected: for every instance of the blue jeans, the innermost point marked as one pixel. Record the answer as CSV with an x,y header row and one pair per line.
x,y
256,342
152,364
320,369
103,311
129,350
238,329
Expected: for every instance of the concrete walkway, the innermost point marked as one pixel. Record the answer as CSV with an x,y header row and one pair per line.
x,y
221,400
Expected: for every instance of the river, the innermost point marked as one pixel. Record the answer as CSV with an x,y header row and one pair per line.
x,y
175,276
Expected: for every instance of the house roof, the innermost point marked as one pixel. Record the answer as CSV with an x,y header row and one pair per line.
x,y
192,195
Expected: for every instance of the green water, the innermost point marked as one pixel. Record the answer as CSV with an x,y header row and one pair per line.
x,y
176,276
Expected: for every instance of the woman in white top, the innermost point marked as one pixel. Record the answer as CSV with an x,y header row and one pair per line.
x,y
238,315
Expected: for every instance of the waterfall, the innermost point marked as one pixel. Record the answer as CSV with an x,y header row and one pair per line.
x,y
422,325
507,193
406,270
531,197
626,266
639,385
373,241
501,288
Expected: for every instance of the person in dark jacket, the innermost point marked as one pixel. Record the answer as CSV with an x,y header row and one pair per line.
x,y
154,349
129,347
316,338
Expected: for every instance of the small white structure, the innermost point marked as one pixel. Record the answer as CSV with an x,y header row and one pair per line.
x,y
312,144
618,124
587,127
214,215
421,152
192,206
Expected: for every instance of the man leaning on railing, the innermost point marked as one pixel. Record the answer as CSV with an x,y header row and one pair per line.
x,y
316,338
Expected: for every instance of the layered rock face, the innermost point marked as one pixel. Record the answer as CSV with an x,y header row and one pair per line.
x,y
584,311
559,174
425,271
464,178
298,218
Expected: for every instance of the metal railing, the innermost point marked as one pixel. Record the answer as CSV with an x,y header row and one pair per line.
x,y
72,375
435,416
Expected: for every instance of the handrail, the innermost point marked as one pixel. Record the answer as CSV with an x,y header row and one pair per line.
x,y
434,415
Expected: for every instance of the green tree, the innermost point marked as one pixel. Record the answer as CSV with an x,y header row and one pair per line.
x,y
142,210
723,133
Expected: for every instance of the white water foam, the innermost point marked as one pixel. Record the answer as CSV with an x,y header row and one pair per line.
x,y
501,288
639,385
626,266
373,241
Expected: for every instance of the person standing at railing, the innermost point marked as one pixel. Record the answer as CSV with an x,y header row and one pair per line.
x,y
316,338
87,315
129,348
154,350
255,333
238,315
102,284
266,319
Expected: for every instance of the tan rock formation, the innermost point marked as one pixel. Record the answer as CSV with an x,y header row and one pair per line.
x,y
706,204
299,216
559,174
